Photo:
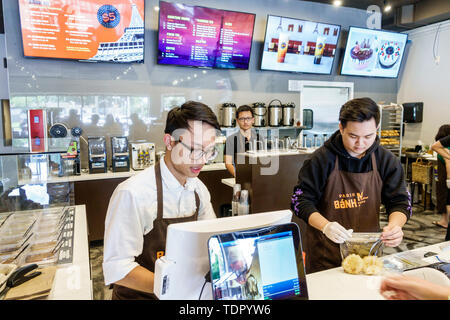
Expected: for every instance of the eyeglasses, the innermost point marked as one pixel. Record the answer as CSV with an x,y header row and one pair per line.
x,y
197,154
245,119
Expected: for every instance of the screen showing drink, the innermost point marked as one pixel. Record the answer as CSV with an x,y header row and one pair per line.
x,y
373,53
299,46
88,30
204,37
259,267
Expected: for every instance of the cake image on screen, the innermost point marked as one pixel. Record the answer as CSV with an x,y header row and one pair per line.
x,y
373,53
389,54
361,54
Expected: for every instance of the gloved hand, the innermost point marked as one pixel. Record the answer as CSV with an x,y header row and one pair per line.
x,y
336,233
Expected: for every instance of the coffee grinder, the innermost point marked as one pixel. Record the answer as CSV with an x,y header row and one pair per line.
x,y
120,155
97,155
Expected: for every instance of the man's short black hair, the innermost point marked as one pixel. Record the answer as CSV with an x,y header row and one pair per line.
x,y
359,110
178,117
244,108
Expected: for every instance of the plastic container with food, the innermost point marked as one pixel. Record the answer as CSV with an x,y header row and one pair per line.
x,y
5,272
10,247
361,244
40,257
8,257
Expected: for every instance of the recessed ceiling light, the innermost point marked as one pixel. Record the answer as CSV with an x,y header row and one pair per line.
x,y
337,3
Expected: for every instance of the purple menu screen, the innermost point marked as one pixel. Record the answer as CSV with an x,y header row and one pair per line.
x,y
204,37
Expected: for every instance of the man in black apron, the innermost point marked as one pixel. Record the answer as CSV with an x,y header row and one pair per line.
x,y
143,206
343,184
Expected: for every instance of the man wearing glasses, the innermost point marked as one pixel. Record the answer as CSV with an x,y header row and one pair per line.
x,y
142,207
240,141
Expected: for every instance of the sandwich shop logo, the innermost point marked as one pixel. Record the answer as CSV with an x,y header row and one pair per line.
x,y
350,200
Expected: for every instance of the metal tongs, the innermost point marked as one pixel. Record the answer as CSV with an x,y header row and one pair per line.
x,y
20,276
377,244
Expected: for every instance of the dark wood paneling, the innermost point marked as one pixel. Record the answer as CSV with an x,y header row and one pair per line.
x,y
95,194
220,193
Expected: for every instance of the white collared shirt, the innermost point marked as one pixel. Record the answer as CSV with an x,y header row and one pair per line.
x,y
132,209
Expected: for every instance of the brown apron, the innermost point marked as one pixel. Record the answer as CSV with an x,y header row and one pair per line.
x,y
351,199
154,243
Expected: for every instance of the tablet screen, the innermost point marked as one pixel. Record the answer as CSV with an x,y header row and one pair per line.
x,y
258,264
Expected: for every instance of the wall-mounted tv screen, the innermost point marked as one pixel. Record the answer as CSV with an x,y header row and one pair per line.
x,y
88,30
204,37
373,53
296,45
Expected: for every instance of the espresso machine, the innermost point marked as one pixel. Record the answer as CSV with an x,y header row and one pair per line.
x,y
142,155
120,154
97,155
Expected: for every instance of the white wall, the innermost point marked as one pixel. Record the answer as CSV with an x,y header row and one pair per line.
x,y
424,80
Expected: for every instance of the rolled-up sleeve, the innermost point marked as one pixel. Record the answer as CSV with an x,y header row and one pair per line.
x,y
123,239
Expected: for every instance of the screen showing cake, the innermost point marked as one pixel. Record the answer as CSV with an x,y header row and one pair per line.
x,y
204,37
299,46
88,30
373,53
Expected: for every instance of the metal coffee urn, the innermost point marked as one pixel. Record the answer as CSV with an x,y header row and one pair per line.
x,y
260,111
288,114
228,111
275,114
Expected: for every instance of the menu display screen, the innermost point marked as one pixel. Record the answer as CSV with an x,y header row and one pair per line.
x,y
373,53
91,30
204,37
299,46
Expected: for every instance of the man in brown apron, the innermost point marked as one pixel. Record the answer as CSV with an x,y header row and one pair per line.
x,y
343,184
143,206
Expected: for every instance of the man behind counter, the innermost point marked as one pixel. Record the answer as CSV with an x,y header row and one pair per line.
x,y
142,207
343,184
241,140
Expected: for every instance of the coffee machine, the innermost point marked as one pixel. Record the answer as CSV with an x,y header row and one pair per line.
x,y
97,155
142,155
120,154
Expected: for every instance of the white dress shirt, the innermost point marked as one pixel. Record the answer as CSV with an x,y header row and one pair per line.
x,y
132,209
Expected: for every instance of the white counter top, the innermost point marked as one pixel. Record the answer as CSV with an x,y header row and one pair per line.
x,y
85,176
335,284
73,281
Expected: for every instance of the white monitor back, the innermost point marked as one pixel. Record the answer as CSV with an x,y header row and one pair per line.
x,y
180,274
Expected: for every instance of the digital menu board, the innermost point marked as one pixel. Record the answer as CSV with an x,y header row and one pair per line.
x,y
373,53
90,30
204,37
296,45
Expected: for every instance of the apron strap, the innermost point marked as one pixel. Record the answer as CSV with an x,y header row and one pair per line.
x,y
159,190
374,163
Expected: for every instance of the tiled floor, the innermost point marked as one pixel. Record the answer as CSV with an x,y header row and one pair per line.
x,y
418,232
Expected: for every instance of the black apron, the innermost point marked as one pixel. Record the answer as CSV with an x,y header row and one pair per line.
x,y
154,243
351,199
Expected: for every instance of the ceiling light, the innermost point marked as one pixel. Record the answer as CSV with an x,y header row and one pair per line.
x,y
387,8
337,3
